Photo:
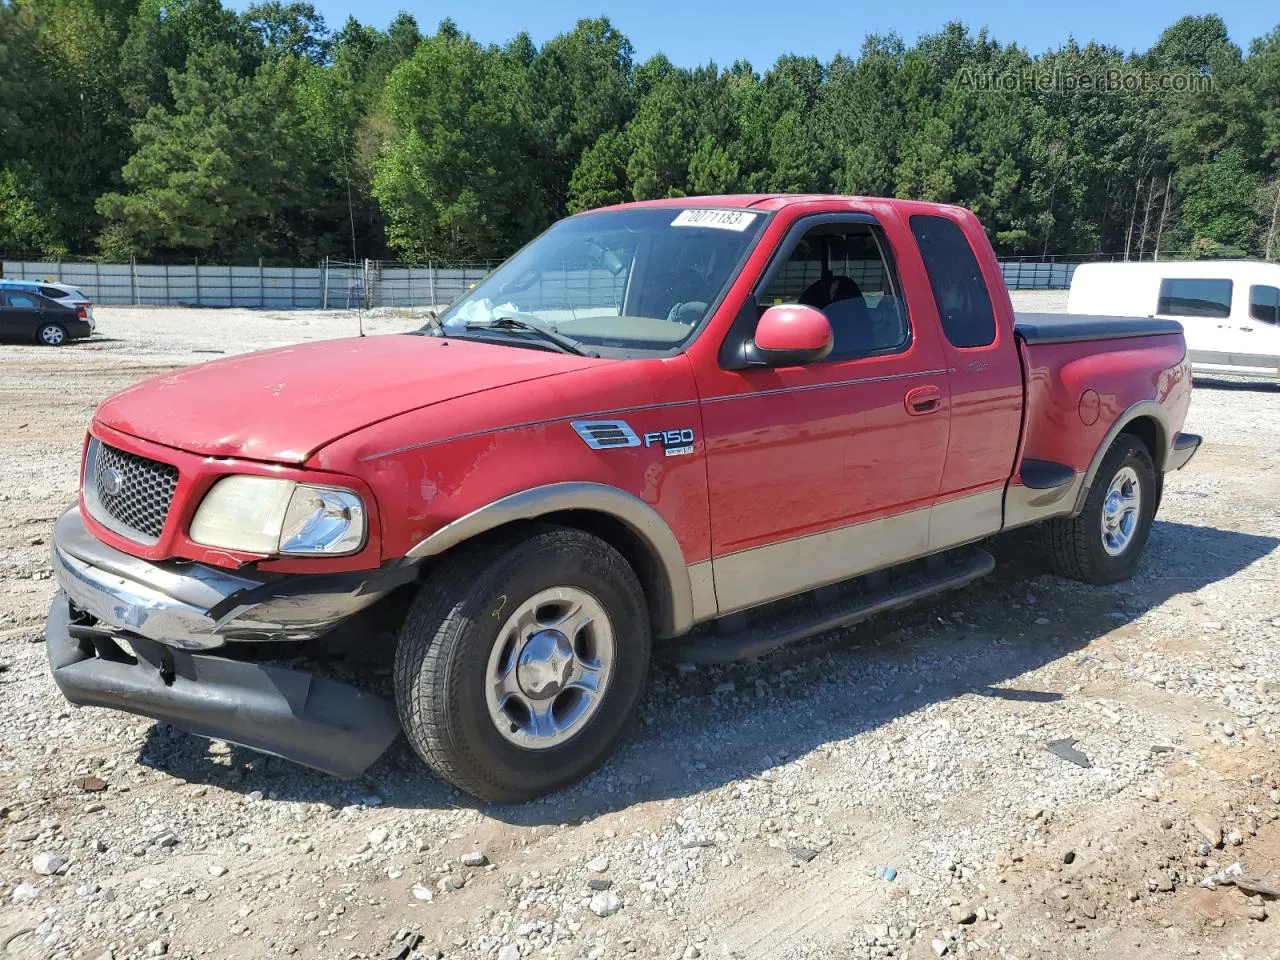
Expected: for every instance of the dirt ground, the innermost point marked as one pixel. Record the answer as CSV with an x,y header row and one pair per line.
x,y
884,791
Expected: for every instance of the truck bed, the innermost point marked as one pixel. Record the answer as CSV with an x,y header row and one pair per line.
x,y
1073,327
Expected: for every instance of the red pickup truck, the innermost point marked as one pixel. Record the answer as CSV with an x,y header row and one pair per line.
x,y
719,422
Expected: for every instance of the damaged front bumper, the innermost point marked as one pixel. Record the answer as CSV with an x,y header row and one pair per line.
x,y
198,607
142,637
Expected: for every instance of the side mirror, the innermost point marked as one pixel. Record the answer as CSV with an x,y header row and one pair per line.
x,y
789,335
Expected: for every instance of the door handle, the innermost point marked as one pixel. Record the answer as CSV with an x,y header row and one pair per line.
x,y
922,400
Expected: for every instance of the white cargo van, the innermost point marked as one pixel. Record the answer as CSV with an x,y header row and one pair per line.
x,y
1229,309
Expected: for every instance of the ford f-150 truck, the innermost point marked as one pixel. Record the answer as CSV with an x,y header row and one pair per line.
x,y
720,422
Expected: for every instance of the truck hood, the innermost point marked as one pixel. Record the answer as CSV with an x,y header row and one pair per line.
x,y
282,405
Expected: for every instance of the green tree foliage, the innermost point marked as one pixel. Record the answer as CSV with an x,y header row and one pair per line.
x,y
184,128
711,169
290,30
1260,93
600,178
1219,205
223,171
25,229
64,133
162,34
581,91
456,177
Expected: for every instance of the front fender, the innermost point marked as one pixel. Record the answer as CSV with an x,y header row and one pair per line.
x,y
677,578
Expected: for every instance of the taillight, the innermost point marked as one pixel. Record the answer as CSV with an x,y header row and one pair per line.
x,y
82,313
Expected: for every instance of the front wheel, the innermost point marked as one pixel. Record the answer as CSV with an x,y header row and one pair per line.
x,y
52,335
520,664
1104,542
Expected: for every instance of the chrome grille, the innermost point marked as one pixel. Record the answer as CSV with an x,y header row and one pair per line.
x,y
128,493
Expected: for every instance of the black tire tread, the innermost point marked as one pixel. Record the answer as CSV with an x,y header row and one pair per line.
x,y
435,615
1069,541
432,636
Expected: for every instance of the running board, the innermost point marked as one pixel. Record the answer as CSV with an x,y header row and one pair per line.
x,y
737,638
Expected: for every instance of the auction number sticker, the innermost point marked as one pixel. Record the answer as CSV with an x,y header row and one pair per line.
x,y
737,220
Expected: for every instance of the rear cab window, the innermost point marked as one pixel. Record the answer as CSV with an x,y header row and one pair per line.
x,y
1195,297
959,288
1264,303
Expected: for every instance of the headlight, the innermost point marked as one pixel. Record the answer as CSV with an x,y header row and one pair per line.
x,y
269,515
326,520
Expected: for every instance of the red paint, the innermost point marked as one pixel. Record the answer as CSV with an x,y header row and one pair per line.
x,y
922,401
1090,407
196,475
282,405
1121,372
428,430
793,326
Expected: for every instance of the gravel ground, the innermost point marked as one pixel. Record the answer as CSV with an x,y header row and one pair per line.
x,y
884,791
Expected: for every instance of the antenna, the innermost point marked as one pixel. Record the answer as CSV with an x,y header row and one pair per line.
x,y
364,297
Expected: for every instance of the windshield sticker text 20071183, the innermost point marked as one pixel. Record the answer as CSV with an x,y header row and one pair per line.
x,y
737,220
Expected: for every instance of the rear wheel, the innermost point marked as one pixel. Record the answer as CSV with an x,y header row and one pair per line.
x,y
52,335
1104,543
519,666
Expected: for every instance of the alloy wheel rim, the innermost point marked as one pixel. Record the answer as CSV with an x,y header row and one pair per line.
x,y
52,335
1121,510
550,668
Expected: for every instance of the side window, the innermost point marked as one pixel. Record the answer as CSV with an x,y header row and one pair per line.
x,y
21,301
1195,298
53,292
959,290
1264,303
841,269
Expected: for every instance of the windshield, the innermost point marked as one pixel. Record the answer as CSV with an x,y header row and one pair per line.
x,y
638,279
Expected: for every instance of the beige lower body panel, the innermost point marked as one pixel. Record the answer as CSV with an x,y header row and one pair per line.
x,y
965,519
702,583
1024,505
751,577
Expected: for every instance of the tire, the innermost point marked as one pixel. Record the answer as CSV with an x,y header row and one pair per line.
x,y
448,654
51,335
1095,548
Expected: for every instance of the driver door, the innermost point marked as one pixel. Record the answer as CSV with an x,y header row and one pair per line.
x,y
820,472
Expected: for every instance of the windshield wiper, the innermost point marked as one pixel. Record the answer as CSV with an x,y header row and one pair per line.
x,y
563,343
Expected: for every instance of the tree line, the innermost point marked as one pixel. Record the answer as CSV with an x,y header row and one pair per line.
x,y
179,129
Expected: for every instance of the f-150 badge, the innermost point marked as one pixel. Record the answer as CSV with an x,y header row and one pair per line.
x,y
606,434
673,442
